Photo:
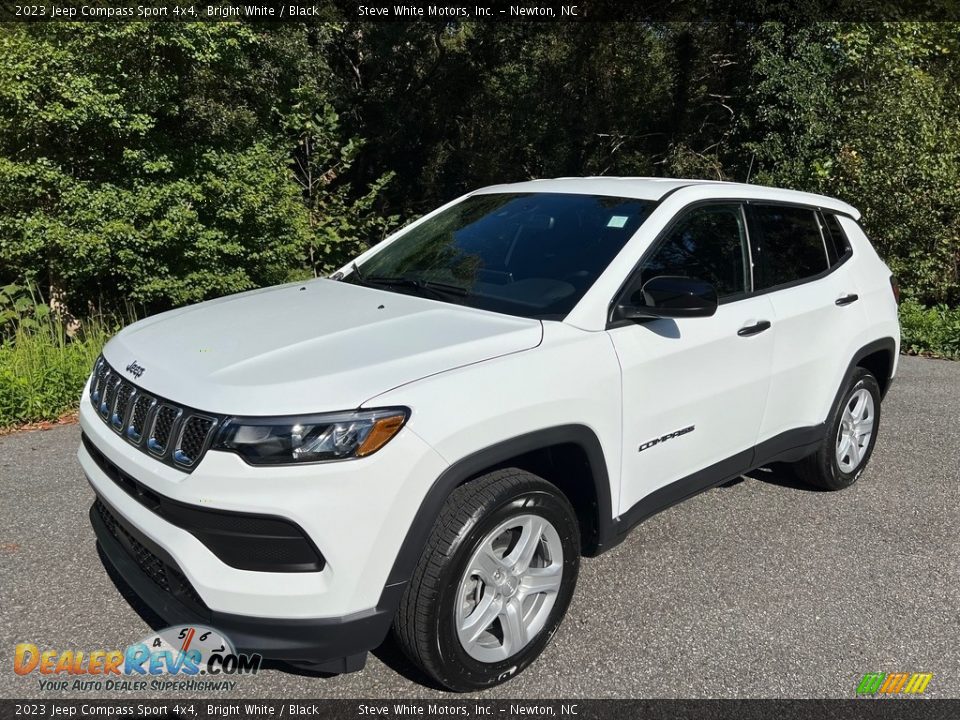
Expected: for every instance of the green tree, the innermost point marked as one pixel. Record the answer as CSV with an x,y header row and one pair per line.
x,y
156,162
868,113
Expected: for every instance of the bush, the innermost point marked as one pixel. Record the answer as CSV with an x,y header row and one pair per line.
x,y
931,331
42,367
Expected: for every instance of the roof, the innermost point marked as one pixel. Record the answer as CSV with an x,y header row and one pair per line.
x,y
648,188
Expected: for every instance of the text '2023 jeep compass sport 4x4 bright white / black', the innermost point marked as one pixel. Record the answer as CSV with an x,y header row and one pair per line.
x,y
430,439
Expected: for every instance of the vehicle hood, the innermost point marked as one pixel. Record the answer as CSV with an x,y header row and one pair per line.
x,y
307,347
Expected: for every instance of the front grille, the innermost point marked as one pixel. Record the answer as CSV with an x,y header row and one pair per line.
x,y
193,439
109,396
163,422
138,417
100,371
166,575
175,434
125,394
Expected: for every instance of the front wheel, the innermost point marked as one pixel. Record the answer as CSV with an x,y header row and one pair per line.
x,y
851,436
493,583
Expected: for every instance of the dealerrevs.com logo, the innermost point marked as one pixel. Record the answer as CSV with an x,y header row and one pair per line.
x,y
183,657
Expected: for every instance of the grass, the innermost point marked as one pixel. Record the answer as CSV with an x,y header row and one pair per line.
x,y
42,367
930,331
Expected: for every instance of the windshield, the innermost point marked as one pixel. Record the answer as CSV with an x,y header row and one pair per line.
x,y
531,254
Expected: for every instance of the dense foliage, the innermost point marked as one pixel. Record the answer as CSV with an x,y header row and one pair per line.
x,y
162,164
144,166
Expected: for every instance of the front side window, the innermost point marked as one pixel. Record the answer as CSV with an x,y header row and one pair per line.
x,y
708,243
529,254
789,245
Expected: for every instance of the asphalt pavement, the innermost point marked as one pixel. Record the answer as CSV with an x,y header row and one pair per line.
x,y
759,589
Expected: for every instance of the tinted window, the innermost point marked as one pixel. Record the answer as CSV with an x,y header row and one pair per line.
x,y
836,239
531,254
708,243
790,246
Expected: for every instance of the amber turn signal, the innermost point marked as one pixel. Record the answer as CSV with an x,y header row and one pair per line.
x,y
383,430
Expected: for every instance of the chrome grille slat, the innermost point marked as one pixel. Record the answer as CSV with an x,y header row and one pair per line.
x,y
139,416
121,404
176,435
111,385
164,422
191,443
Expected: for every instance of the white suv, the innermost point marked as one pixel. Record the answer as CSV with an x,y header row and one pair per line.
x,y
430,439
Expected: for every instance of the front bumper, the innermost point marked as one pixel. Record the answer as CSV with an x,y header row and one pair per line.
x,y
324,644
356,513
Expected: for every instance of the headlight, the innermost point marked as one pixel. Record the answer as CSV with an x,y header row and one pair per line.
x,y
310,438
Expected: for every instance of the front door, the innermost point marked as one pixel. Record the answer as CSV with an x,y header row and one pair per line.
x,y
694,389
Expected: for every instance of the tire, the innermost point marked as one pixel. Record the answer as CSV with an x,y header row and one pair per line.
x,y
835,466
456,580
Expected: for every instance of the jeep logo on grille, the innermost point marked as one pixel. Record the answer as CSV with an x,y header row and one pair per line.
x,y
135,370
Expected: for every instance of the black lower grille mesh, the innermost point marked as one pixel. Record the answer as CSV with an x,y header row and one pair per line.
x,y
167,577
153,566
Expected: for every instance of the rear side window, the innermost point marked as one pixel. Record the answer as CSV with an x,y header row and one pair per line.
x,y
789,244
837,244
708,243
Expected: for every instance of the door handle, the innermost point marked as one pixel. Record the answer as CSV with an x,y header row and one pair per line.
x,y
847,299
758,327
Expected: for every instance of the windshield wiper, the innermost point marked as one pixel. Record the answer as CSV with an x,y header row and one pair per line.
x,y
437,288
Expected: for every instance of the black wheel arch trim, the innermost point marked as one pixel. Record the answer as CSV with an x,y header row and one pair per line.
x,y
478,462
887,344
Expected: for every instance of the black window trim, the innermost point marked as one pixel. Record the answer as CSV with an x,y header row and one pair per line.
x,y
743,202
822,214
821,226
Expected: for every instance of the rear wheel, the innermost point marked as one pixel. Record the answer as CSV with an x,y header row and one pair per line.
x,y
851,436
494,581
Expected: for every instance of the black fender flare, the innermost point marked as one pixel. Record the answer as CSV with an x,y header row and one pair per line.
x,y
474,464
887,344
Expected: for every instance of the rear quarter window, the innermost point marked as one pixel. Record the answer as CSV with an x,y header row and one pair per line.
x,y
836,239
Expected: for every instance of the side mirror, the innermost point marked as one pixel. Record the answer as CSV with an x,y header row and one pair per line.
x,y
668,296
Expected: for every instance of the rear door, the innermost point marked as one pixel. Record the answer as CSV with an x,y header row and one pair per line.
x,y
694,389
800,264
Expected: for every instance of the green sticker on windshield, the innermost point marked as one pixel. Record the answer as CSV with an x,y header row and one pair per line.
x,y
617,221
